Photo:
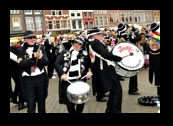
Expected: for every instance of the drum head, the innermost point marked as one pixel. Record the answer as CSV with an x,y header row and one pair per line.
x,y
134,62
154,44
78,87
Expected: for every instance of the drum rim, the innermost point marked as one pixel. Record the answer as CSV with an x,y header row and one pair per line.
x,y
81,93
134,45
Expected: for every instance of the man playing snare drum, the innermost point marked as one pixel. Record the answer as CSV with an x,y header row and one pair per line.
x,y
71,65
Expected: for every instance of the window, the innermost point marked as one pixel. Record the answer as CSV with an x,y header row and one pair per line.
x,y
111,17
104,11
28,11
143,17
38,23
147,17
136,18
74,24
53,12
85,14
91,24
100,11
72,14
16,24
57,24
14,11
97,22
90,14
95,11
37,11
105,21
139,17
127,17
80,23
29,23
130,18
50,25
59,12
101,21
78,14
150,17
65,24
122,17
86,25
116,17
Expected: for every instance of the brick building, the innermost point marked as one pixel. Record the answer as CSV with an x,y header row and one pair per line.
x,y
88,19
17,25
57,21
113,17
34,20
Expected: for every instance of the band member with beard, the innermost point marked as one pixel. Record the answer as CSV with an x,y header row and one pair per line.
x,y
71,65
154,56
126,35
103,71
32,60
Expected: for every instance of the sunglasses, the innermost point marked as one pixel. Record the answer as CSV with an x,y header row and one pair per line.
x,y
32,37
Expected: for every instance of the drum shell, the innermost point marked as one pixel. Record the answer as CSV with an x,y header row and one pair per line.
x,y
79,98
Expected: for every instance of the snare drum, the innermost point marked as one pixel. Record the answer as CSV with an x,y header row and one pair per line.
x,y
78,92
130,65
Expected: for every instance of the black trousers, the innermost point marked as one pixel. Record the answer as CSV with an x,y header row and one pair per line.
x,y
115,99
34,87
18,92
71,107
133,84
50,69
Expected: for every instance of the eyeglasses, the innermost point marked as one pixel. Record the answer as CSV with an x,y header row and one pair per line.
x,y
32,37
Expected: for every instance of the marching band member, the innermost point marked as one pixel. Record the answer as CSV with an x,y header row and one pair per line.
x,y
50,52
72,65
124,34
34,76
105,74
154,56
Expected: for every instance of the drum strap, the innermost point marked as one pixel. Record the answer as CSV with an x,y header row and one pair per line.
x,y
155,53
101,58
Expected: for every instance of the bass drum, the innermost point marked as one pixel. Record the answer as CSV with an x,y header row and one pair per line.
x,y
131,65
78,92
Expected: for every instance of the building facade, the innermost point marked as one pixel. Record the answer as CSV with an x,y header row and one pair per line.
x,y
113,17
76,20
101,18
127,16
35,21
156,15
17,24
57,21
88,19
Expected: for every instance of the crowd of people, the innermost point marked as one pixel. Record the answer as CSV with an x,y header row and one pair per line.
x,y
82,56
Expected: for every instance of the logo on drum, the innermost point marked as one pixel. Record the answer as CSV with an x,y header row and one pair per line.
x,y
128,48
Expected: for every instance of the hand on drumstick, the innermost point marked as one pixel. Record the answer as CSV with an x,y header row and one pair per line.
x,y
64,77
130,54
89,74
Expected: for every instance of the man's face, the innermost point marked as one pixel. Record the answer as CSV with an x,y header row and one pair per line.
x,y
98,36
77,46
84,35
30,40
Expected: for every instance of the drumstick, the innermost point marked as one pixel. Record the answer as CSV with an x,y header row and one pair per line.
x,y
83,77
69,81
130,54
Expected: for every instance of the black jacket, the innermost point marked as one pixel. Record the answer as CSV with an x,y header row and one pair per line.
x,y
26,63
105,78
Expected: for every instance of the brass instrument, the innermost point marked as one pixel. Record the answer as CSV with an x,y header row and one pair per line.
x,y
38,53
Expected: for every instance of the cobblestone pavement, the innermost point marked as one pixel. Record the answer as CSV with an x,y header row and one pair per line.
x,y
129,103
